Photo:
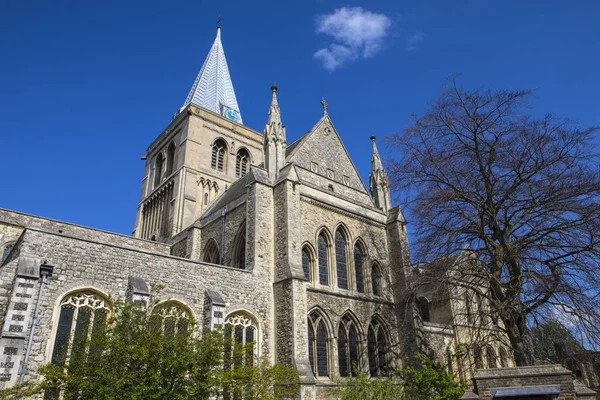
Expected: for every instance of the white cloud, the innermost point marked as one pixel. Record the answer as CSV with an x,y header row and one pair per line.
x,y
414,40
355,32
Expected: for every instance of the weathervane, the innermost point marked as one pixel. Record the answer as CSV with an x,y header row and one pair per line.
x,y
324,104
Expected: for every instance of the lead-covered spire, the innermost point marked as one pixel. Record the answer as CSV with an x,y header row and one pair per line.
x,y
213,88
378,180
274,140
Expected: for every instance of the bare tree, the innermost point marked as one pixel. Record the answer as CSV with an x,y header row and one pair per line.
x,y
522,192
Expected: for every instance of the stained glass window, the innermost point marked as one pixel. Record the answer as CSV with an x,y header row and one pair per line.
x,y
358,269
306,263
317,342
377,349
171,317
376,280
340,259
323,264
348,348
78,312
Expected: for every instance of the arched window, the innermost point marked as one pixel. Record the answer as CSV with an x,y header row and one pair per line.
x,y
170,158
241,163
491,357
423,305
171,317
307,261
317,345
158,168
218,155
239,249
468,311
82,315
323,260
211,253
241,330
376,279
340,259
348,350
205,198
503,358
483,319
478,356
377,349
358,269
6,251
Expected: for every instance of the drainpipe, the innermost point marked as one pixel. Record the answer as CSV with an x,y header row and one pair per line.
x,y
223,212
45,274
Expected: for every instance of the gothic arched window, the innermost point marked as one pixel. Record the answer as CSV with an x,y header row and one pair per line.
x,y
218,155
170,158
82,315
377,349
358,269
423,305
241,332
503,358
307,261
241,163
158,167
6,251
171,317
478,356
317,345
323,259
491,357
348,347
239,249
211,253
340,259
376,279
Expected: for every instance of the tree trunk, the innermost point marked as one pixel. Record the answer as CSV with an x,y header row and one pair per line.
x,y
520,340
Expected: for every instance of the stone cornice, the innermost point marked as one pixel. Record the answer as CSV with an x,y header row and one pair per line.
x,y
341,212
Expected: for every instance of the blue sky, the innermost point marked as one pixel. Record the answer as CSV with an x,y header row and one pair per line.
x,y
86,86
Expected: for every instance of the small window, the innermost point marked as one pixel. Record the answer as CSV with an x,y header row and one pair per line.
x,y
376,280
6,251
158,168
306,262
423,305
170,158
241,163
218,155
205,198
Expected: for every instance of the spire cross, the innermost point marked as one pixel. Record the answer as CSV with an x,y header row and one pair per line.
x,y
324,104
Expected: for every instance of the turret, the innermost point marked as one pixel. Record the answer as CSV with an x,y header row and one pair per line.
x,y
274,139
378,181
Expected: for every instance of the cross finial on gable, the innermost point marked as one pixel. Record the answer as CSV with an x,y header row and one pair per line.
x,y
324,104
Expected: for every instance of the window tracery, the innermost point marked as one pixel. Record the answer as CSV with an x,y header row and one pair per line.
x,y
239,249
218,155
211,253
377,349
241,163
171,317
348,348
240,330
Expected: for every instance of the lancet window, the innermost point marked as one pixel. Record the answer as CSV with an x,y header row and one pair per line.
x,y
490,354
6,251
307,261
348,347
423,305
323,259
218,155
317,345
377,349
158,169
211,253
239,249
376,279
340,259
170,158
358,269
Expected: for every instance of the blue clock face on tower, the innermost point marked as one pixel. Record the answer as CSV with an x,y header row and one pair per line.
x,y
232,114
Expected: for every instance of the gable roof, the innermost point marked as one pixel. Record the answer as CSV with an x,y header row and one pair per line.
x,y
322,145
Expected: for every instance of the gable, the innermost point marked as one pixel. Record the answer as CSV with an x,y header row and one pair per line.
x,y
322,152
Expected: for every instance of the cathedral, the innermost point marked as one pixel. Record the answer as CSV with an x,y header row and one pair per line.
x,y
280,241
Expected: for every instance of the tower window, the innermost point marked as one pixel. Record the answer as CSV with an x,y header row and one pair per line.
x,y
218,155
158,167
241,163
170,158
205,198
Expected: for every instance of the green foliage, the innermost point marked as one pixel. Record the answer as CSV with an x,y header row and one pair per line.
x,y
549,336
150,354
431,381
428,381
361,387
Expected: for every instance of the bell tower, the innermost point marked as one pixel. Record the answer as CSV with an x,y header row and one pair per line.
x,y
198,155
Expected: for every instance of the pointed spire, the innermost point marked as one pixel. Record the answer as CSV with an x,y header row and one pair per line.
x,y
213,88
274,111
378,180
274,140
375,158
